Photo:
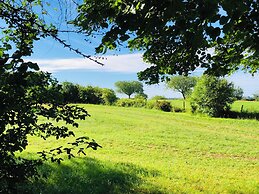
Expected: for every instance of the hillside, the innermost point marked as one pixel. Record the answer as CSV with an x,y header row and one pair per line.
x,y
150,151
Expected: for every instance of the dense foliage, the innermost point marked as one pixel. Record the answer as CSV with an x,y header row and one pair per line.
x,y
25,97
26,94
212,96
75,93
178,36
108,96
158,97
163,105
141,96
136,102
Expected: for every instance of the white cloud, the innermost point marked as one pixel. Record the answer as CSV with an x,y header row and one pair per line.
x,y
128,63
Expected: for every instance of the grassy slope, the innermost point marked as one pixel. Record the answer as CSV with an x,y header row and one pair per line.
x,y
250,106
149,151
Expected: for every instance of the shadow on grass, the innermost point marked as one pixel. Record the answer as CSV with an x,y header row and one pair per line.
x,y
243,115
90,176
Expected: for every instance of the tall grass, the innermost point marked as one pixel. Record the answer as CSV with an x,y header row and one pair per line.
x,y
149,151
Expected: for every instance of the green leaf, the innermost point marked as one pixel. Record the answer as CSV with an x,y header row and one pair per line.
x,y
33,66
23,67
8,66
138,6
1,52
226,28
124,37
223,20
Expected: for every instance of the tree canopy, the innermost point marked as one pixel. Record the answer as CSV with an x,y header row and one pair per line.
x,y
178,36
182,84
27,94
212,96
129,87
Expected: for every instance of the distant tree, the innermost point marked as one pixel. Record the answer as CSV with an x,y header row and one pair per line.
x,y
70,92
90,95
256,96
212,96
238,93
182,84
129,87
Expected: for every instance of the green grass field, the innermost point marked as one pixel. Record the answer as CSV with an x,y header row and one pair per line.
x,y
248,106
150,151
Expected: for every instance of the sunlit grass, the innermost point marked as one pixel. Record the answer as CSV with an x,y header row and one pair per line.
x,y
248,106
150,151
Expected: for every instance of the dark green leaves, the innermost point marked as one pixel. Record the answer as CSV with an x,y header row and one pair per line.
x,y
124,37
223,20
213,32
26,96
172,32
33,66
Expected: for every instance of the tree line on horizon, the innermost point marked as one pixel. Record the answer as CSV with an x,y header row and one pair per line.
x,y
209,95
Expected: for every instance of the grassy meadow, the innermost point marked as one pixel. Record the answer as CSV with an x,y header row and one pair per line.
x,y
150,151
248,106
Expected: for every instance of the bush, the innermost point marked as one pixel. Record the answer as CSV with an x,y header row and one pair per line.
x,y
124,102
212,96
90,95
70,92
158,98
163,105
177,109
150,104
141,96
108,96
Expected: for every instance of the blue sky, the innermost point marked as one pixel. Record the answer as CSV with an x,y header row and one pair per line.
x,y
124,65
119,65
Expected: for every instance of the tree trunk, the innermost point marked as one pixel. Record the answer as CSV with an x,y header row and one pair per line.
x,y
183,102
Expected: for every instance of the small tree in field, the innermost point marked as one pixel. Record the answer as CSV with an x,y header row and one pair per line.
x,y
212,96
182,84
129,87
